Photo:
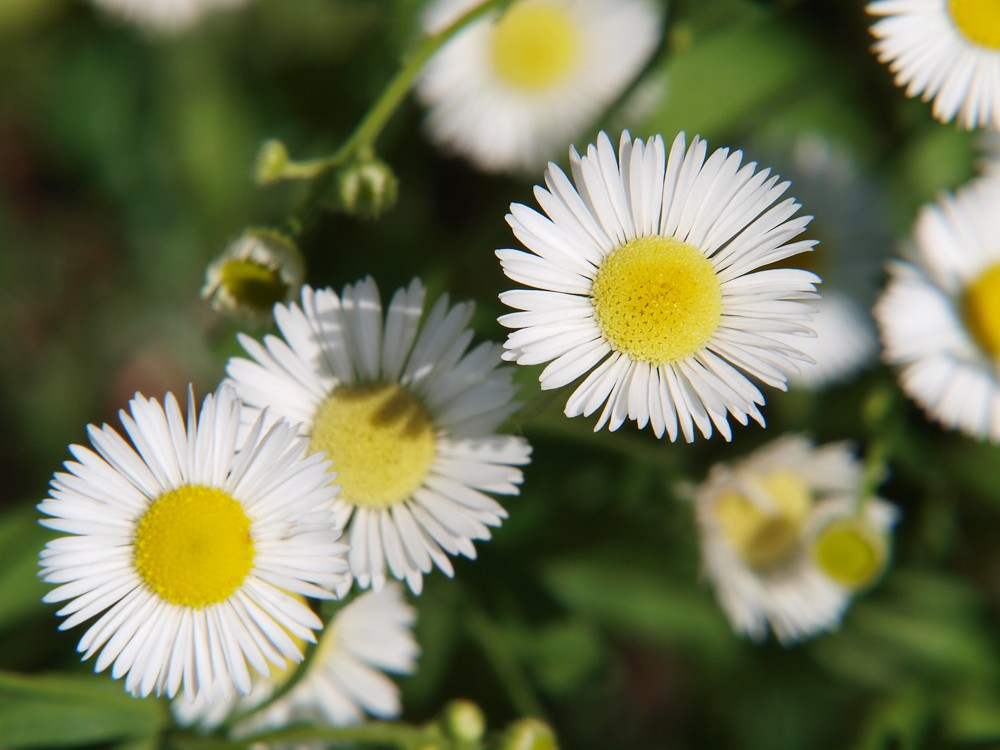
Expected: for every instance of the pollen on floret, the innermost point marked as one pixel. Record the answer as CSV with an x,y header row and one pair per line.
x,y
535,45
977,20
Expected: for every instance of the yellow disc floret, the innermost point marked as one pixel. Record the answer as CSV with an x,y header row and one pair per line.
x,y
380,439
765,530
850,552
253,284
193,546
981,308
535,45
977,20
657,299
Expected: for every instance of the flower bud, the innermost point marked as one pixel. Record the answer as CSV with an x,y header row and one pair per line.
x,y
529,734
463,721
367,188
271,163
253,273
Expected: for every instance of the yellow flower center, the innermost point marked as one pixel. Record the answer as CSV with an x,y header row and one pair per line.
x,y
657,299
193,546
850,552
766,533
535,45
977,20
380,440
981,308
252,284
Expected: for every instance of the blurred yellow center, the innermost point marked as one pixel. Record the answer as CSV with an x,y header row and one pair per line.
x,y
535,45
657,299
193,546
380,440
850,552
252,284
766,532
977,20
981,308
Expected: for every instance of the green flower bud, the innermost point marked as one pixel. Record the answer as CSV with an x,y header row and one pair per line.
x,y
463,721
253,273
367,188
529,734
271,163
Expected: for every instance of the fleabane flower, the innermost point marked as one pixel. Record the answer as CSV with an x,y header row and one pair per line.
x,y
945,50
191,546
511,89
167,16
939,317
406,412
783,540
645,278
346,677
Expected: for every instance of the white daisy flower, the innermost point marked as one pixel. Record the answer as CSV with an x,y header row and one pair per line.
x,y
939,317
510,90
345,679
945,50
189,544
645,276
164,15
260,268
406,415
782,542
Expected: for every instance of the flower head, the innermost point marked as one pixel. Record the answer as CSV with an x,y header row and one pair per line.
x,y
405,412
345,679
939,317
191,546
509,90
945,50
783,541
645,279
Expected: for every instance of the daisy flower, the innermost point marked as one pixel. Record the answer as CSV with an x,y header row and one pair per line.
x,y
945,50
509,90
782,541
164,15
939,317
344,680
190,545
406,413
252,274
645,279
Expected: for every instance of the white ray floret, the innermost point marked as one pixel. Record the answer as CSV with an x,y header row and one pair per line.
x,y
189,544
939,317
406,412
947,51
644,278
346,678
510,91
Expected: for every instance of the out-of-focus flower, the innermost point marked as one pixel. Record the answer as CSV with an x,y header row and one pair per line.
x,y
252,274
164,15
945,50
190,546
406,414
939,317
511,90
783,541
645,279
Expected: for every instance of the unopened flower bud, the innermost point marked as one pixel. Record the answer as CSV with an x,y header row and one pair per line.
x,y
463,721
253,273
367,188
529,734
851,552
271,163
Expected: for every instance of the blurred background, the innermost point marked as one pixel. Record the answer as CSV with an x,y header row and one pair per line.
x,y
125,168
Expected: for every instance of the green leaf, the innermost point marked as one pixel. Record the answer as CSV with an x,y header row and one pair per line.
x,y
63,711
21,539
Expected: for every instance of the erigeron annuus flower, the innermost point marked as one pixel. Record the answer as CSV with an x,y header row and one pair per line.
x,y
645,279
406,413
509,91
945,50
345,679
782,539
939,317
165,15
254,272
189,545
